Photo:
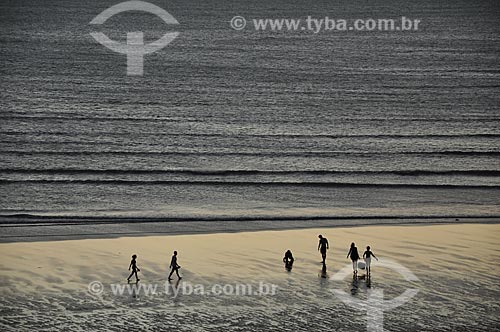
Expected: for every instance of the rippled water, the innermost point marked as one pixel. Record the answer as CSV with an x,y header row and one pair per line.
x,y
250,124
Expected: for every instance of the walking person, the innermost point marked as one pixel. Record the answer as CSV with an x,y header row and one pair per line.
x,y
135,269
174,267
323,247
367,255
353,253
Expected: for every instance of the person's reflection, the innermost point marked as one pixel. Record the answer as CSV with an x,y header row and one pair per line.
x,y
354,289
174,291
323,271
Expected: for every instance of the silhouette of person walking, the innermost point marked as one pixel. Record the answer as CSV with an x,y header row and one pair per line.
x,y
288,260
323,247
353,252
174,266
135,269
368,259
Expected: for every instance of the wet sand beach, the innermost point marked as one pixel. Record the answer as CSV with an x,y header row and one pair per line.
x,y
45,284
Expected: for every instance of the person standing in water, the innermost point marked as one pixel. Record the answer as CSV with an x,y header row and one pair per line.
x,y
288,259
135,269
323,247
353,253
368,258
174,266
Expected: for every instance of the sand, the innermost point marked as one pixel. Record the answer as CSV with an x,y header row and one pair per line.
x,y
45,284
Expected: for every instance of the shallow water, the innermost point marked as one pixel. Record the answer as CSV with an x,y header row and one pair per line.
x,y
457,285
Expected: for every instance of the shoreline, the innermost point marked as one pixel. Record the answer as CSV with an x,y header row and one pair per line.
x,y
46,232
40,278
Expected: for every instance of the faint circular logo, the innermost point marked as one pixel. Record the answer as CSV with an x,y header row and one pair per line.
x,y
134,48
95,288
238,23
375,305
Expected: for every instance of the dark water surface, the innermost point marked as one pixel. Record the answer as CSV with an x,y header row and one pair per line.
x,y
251,124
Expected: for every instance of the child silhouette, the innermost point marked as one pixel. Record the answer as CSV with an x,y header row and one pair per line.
x,y
135,269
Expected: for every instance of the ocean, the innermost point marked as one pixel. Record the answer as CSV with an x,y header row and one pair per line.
x,y
234,129
250,125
